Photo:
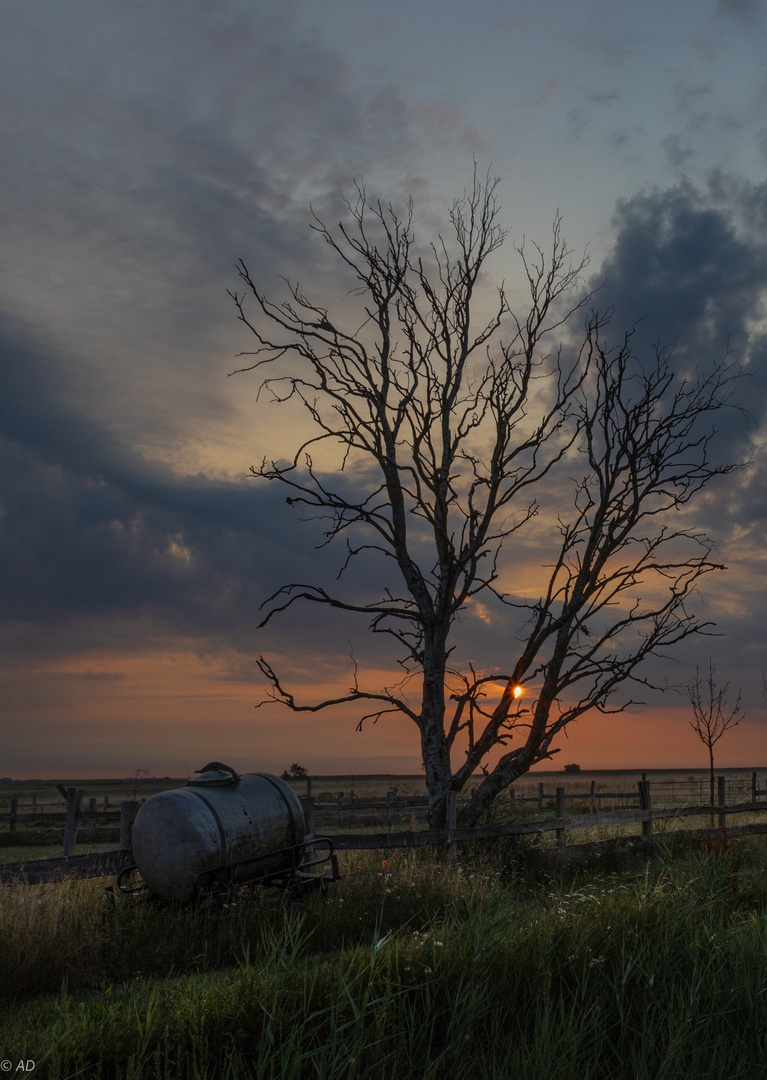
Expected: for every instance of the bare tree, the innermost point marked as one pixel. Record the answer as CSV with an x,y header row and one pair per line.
x,y
712,717
463,424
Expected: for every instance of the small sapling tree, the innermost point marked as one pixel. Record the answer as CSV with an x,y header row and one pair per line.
x,y
711,715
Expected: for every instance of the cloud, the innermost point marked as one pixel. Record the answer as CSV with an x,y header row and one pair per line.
x,y
133,184
677,152
89,529
746,11
625,138
605,98
690,265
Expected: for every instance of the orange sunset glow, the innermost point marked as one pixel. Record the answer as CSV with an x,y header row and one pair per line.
x,y
169,712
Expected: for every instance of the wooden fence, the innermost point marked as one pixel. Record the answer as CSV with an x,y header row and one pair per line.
x,y
74,816
95,821
673,792
561,824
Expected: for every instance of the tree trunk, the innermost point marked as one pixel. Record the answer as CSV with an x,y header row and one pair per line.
x,y
711,772
434,750
491,787
437,768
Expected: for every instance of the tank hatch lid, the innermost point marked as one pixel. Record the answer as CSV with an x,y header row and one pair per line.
x,y
215,774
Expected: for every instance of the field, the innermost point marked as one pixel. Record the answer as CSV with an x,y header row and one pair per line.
x,y
366,786
498,964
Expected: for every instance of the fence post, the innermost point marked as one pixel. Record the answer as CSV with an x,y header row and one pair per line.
x,y
74,798
561,838
645,804
308,787
753,787
593,788
308,804
14,811
340,808
451,818
512,796
391,803
106,805
721,800
128,811
540,796
92,819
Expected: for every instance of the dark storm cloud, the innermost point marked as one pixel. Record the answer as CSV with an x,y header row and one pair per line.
x,y
88,527
690,266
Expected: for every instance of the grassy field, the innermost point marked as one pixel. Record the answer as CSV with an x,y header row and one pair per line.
x,y
46,791
494,966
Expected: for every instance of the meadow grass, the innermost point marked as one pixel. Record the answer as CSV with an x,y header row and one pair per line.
x,y
499,964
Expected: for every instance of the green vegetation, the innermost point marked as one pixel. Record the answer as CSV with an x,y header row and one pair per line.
x,y
494,966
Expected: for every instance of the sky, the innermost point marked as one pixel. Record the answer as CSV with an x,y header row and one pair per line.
x,y
149,146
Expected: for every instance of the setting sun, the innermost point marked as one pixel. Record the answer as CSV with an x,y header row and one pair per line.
x,y
517,691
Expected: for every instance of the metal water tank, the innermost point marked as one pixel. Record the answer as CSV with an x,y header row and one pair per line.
x,y
221,824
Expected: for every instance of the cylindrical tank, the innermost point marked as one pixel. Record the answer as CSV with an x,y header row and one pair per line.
x,y
218,821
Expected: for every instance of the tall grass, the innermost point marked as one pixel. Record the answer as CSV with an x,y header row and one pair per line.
x,y
492,967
